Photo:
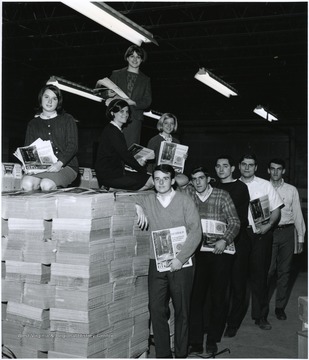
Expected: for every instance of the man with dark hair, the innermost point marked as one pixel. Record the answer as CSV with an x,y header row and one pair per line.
x,y
266,200
225,166
136,86
217,209
283,243
166,209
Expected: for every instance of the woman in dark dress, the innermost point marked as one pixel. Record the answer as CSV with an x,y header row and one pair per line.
x,y
54,124
113,154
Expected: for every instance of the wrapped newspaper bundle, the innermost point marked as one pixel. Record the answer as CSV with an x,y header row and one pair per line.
x,y
27,315
79,203
29,205
83,300
39,295
79,322
38,339
77,345
11,176
80,276
29,272
11,290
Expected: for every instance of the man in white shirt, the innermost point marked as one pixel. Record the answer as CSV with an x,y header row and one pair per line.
x,y
263,215
283,243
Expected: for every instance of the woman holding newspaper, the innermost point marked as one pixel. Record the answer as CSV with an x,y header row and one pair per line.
x,y
136,86
113,154
167,125
52,124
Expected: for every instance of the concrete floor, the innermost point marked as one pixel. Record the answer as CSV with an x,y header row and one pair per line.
x,y
279,342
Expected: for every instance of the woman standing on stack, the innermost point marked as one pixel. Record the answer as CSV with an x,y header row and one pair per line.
x,y
136,85
54,124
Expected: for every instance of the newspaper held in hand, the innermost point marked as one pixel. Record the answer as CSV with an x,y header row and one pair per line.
x,y
213,230
173,154
167,244
37,157
112,86
141,154
260,212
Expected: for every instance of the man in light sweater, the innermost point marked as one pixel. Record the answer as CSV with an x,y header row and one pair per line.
x,y
283,243
167,209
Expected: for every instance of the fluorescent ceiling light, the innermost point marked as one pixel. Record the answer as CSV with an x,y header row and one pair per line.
x,y
112,19
153,114
206,77
259,110
73,88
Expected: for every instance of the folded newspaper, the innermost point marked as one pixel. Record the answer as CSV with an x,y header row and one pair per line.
x,y
140,153
112,86
173,154
212,231
37,157
260,211
167,244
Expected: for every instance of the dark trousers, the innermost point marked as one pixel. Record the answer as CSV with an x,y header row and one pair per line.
x,y
163,287
211,276
239,276
259,263
281,261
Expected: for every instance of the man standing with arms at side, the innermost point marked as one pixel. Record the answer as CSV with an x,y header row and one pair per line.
x,y
283,244
225,166
263,196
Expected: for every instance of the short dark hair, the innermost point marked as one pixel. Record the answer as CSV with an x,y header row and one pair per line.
x,y
139,51
227,157
251,156
200,169
278,161
57,92
115,106
166,169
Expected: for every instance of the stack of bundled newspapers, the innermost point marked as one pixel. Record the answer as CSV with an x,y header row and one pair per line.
x,y
74,276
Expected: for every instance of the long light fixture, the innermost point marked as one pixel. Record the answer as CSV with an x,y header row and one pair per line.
x,y
153,114
73,88
112,19
259,110
211,80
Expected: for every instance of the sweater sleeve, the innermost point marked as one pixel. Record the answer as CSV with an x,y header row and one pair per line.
x,y
194,230
70,147
233,222
122,151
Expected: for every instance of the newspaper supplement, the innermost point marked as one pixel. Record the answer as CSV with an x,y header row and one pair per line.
x,y
212,231
141,152
259,210
173,154
112,86
167,244
37,157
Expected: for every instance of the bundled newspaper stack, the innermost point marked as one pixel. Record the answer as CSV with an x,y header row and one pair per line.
x,y
74,276
11,177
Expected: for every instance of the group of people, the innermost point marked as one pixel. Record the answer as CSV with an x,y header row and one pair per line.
x,y
209,296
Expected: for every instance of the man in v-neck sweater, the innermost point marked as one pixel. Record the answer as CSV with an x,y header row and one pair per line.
x,y
166,209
